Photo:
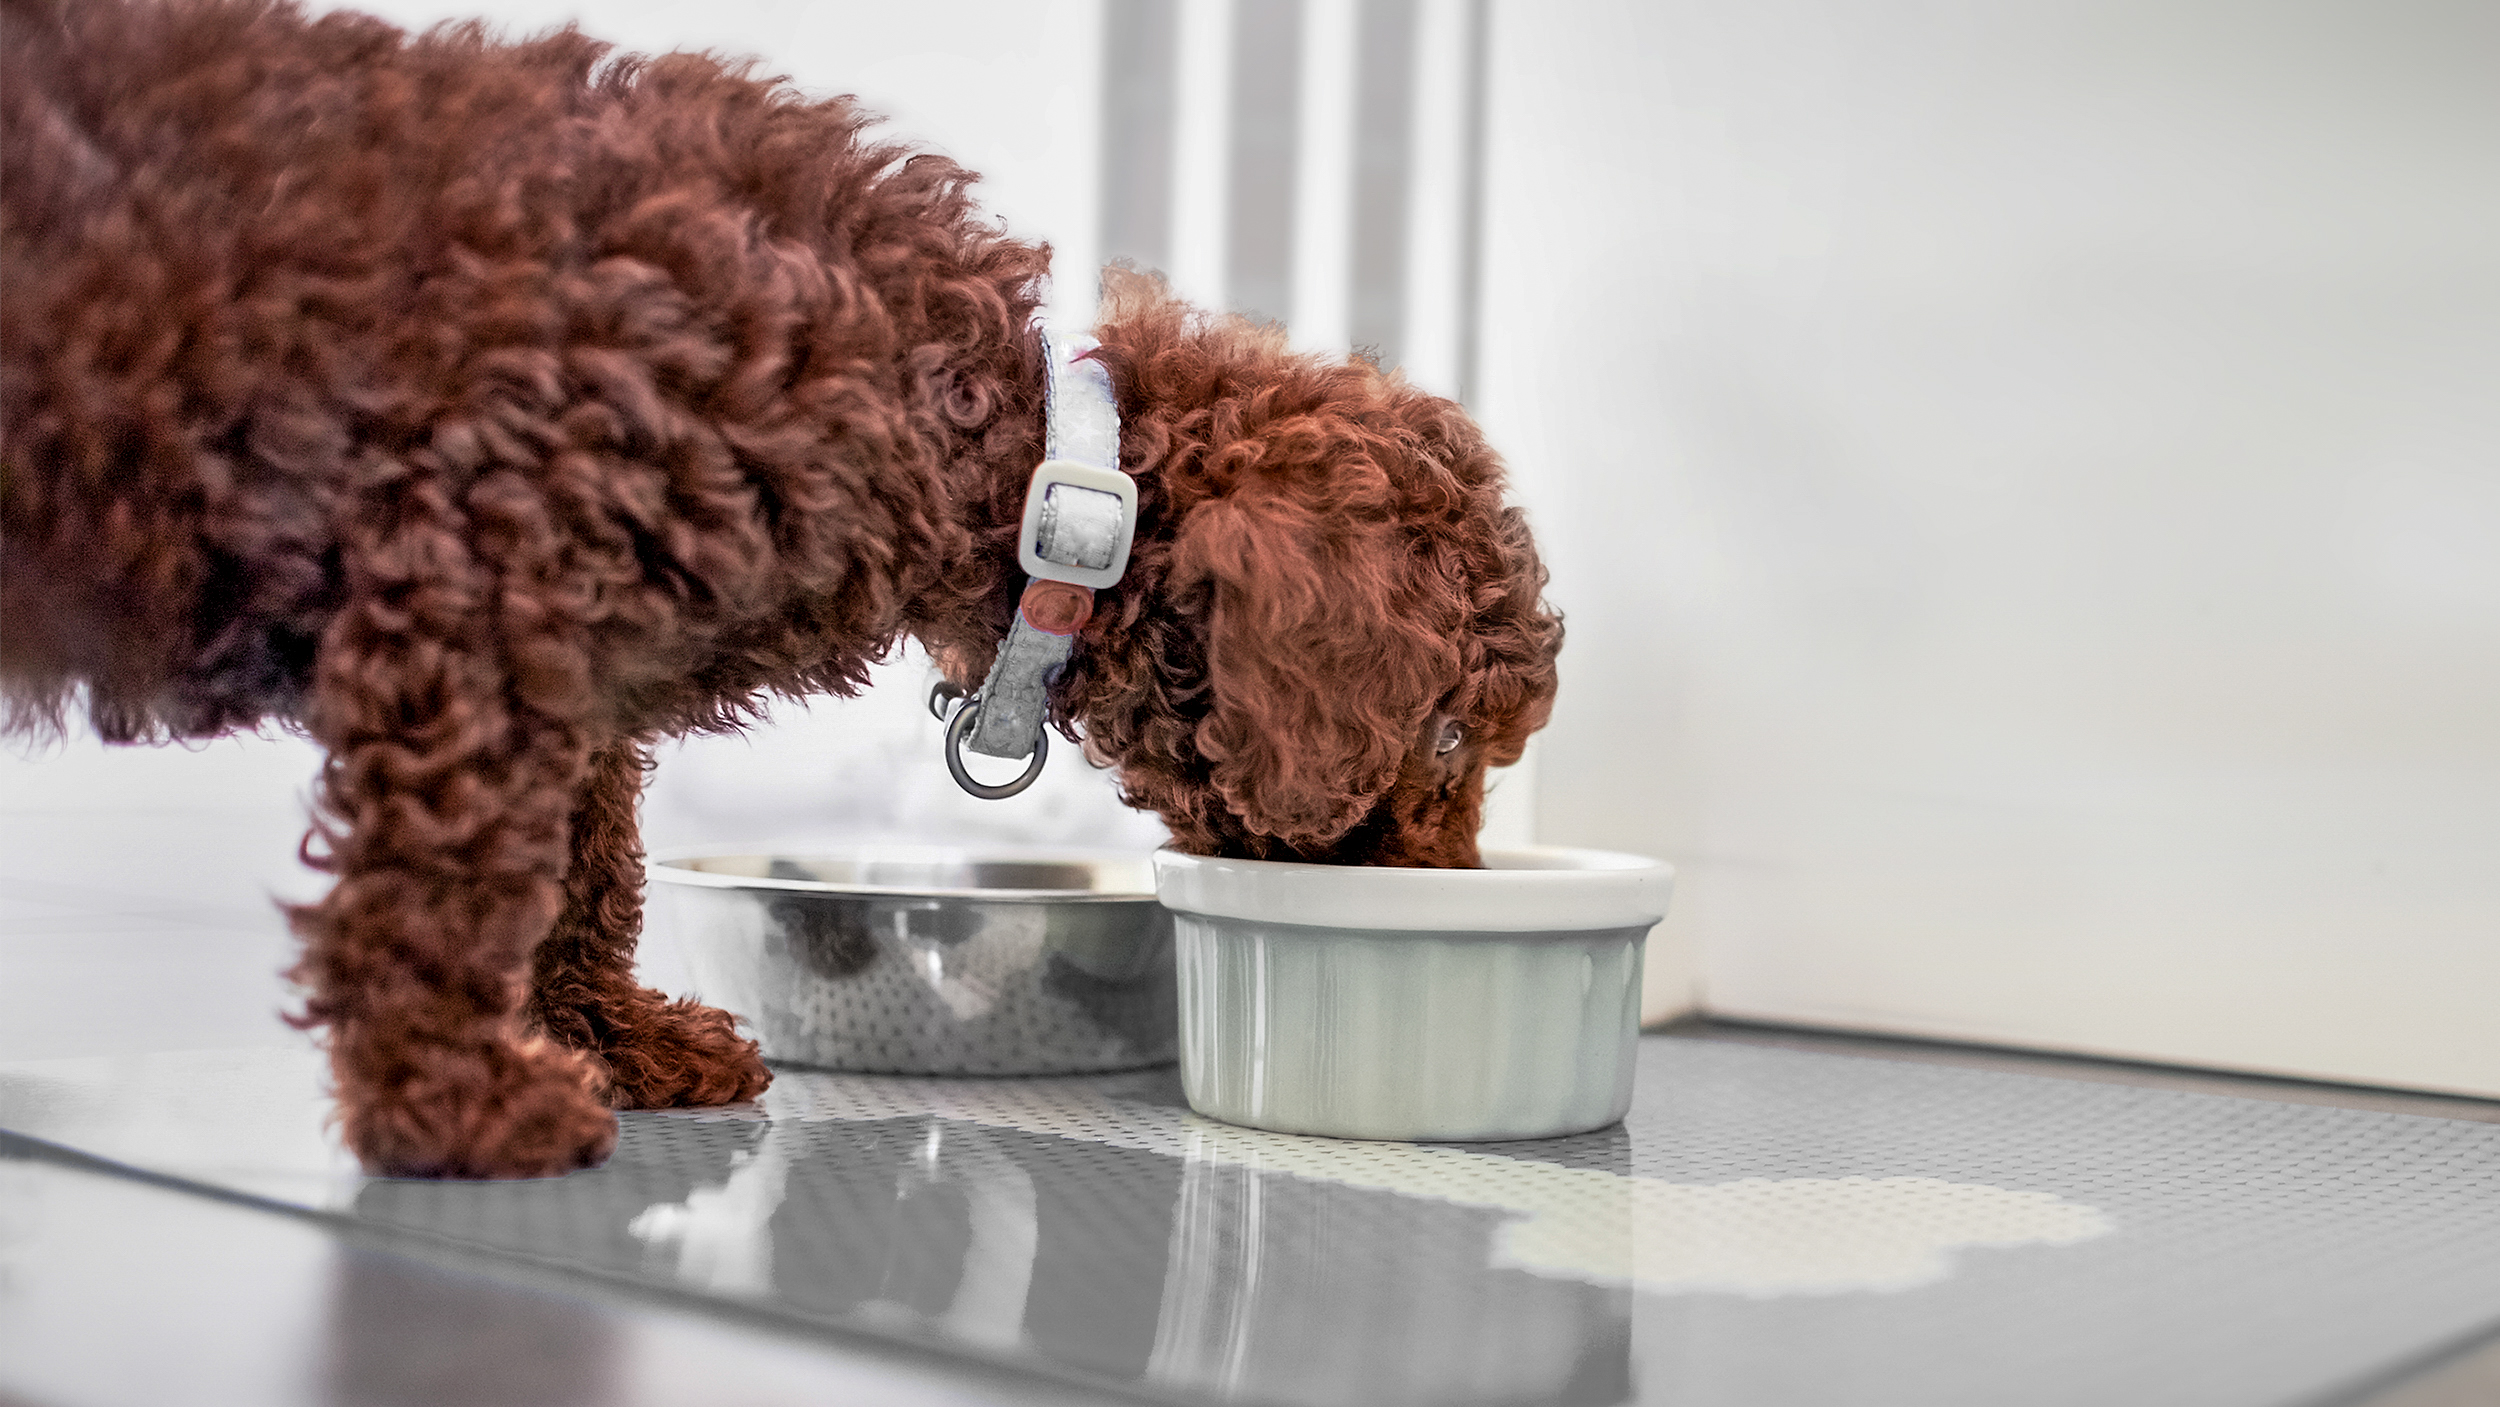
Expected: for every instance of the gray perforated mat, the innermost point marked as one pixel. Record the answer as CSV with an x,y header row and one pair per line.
x,y
1768,1227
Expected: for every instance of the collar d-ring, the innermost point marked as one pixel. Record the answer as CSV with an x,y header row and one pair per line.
x,y
966,719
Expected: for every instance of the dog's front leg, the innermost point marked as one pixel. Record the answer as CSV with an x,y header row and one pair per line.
x,y
447,797
659,1054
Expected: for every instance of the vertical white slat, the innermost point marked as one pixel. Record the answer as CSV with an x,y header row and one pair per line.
x,y
1263,153
1436,307
1436,200
1072,52
1200,149
1323,194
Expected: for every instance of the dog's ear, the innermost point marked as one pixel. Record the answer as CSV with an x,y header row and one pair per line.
x,y
1326,652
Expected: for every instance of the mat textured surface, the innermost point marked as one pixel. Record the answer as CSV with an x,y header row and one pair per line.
x,y
1768,1227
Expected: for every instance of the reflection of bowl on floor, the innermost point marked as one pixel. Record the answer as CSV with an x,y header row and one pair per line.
x,y
928,961
1409,1003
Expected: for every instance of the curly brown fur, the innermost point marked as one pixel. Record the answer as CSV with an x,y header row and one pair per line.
x,y
488,409
1325,574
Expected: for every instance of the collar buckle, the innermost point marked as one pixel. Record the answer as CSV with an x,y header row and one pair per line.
x,y
1079,522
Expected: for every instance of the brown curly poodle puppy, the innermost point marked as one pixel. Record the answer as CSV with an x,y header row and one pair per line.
x,y
490,410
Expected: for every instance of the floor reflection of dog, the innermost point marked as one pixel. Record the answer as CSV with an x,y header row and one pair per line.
x,y
490,410
721,1238
1188,1274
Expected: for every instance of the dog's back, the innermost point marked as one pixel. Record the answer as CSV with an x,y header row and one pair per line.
x,y
277,288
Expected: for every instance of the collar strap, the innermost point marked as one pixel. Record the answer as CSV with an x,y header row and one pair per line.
x,y
1080,517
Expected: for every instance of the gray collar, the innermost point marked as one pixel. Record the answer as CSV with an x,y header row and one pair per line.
x,y
1080,516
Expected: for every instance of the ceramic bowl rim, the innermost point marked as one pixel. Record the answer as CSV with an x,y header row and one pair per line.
x,y
1540,890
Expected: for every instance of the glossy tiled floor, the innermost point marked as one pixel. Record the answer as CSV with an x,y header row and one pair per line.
x,y
1772,1225
1769,1226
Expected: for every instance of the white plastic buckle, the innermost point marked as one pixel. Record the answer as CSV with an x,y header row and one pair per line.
x,y
1071,532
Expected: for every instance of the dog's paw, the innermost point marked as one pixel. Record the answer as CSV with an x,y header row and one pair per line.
x,y
678,1054
510,1110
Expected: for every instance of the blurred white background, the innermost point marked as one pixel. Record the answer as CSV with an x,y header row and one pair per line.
x,y
2024,479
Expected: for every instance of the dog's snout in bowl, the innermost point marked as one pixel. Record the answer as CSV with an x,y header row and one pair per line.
x,y
931,962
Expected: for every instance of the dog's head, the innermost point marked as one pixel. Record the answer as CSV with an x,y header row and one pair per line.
x,y
1331,623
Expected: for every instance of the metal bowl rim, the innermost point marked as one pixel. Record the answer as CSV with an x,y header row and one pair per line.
x,y
668,868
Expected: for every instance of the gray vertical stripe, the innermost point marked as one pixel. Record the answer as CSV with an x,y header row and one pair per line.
x,y
1140,56
1476,98
1384,119
1266,120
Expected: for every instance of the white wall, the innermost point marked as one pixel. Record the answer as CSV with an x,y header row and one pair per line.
x,y
2025,485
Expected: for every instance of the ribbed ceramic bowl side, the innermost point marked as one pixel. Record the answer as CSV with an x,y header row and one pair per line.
x,y
1453,1036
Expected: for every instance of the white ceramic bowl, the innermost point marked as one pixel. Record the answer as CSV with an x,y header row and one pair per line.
x,y
1433,1005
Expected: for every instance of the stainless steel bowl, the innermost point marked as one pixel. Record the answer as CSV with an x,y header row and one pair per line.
x,y
931,962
